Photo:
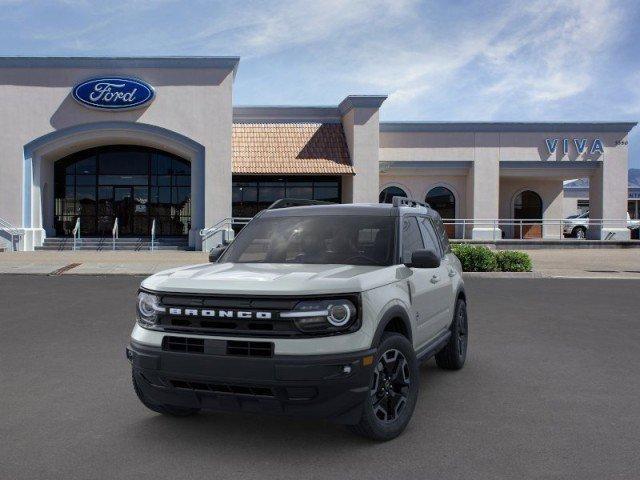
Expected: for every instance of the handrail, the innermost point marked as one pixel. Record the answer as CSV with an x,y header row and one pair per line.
x,y
114,234
12,231
153,234
76,234
551,228
206,233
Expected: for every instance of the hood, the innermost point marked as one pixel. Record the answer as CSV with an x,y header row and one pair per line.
x,y
272,279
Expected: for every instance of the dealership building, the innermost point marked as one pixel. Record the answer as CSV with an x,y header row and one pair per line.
x,y
158,141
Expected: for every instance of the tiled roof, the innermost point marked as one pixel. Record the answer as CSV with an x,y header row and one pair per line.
x,y
290,148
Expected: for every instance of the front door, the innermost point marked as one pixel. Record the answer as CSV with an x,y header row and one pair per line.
x,y
430,287
130,206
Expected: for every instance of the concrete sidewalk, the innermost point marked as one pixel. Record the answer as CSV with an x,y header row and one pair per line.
x,y
97,263
547,263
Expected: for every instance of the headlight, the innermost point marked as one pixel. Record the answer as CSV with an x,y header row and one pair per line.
x,y
323,316
148,309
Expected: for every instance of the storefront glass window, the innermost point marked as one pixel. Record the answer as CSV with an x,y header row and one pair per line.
x,y
252,194
133,184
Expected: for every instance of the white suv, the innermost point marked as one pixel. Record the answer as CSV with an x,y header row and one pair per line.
x,y
316,311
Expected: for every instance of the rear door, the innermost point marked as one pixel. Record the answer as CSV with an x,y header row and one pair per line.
x,y
423,283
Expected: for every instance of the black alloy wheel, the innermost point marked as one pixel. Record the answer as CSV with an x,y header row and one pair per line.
x,y
391,384
393,392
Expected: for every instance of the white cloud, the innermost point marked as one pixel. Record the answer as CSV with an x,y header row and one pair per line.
x,y
537,53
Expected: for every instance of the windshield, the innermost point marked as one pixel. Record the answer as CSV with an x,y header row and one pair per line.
x,y
330,239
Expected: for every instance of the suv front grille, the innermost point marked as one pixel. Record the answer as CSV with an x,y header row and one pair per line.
x,y
232,316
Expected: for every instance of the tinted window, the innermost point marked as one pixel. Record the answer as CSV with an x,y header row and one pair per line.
x,y
431,241
411,238
442,234
346,240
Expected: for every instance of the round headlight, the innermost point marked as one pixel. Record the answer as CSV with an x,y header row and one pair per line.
x,y
339,315
148,309
323,316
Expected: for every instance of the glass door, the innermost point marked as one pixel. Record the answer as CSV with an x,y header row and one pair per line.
x,y
123,209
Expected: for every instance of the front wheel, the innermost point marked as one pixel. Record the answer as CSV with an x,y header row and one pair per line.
x,y
393,392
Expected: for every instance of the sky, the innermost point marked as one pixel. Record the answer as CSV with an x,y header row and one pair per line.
x,y
570,60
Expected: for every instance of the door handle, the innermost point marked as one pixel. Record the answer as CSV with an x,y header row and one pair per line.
x,y
435,279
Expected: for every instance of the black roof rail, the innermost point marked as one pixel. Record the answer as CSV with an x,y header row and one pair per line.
x,y
295,202
408,202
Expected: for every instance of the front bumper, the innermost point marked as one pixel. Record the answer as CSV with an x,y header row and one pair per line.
x,y
331,387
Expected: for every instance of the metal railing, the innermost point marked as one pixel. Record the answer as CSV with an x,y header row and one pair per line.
x,y
538,228
152,247
223,229
12,232
76,234
114,234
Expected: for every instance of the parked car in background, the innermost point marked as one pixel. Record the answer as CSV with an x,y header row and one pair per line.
x,y
576,225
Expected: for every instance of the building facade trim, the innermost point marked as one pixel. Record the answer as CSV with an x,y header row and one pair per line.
x,y
551,127
223,63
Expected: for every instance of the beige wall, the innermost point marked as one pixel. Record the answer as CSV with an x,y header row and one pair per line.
x,y
193,103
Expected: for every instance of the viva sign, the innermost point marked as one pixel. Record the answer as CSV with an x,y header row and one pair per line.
x,y
581,145
113,93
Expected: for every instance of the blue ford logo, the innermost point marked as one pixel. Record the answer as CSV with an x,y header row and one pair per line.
x,y
113,93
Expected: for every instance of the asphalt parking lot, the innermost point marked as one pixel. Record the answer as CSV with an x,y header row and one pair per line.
x,y
551,390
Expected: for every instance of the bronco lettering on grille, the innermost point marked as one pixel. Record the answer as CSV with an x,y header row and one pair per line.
x,y
242,314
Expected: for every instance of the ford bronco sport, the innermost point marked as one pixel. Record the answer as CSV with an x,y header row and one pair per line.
x,y
319,311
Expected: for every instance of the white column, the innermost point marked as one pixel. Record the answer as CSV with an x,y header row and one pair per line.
x,y
485,178
608,195
361,125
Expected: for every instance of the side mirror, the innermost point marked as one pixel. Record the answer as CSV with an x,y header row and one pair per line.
x,y
216,253
424,259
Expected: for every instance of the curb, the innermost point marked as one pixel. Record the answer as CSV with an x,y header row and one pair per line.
x,y
503,275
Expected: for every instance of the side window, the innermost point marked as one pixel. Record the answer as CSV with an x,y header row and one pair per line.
x,y
442,234
430,238
411,238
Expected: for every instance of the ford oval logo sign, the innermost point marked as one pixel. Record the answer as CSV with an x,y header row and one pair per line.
x,y
113,93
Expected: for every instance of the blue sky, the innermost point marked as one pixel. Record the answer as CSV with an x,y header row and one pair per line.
x,y
437,60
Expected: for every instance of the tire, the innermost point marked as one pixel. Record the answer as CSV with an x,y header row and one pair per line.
x,y
580,232
454,354
171,410
395,384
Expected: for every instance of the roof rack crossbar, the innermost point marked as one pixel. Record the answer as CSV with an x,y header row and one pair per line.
x,y
408,202
295,202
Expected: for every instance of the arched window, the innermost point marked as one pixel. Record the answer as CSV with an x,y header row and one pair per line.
x,y
528,206
442,200
388,193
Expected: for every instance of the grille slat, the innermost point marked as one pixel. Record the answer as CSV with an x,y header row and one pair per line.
x,y
183,344
250,349
258,391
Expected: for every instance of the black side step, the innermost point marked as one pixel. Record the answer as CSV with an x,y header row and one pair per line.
x,y
433,347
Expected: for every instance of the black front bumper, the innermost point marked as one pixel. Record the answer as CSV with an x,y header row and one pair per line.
x,y
331,387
